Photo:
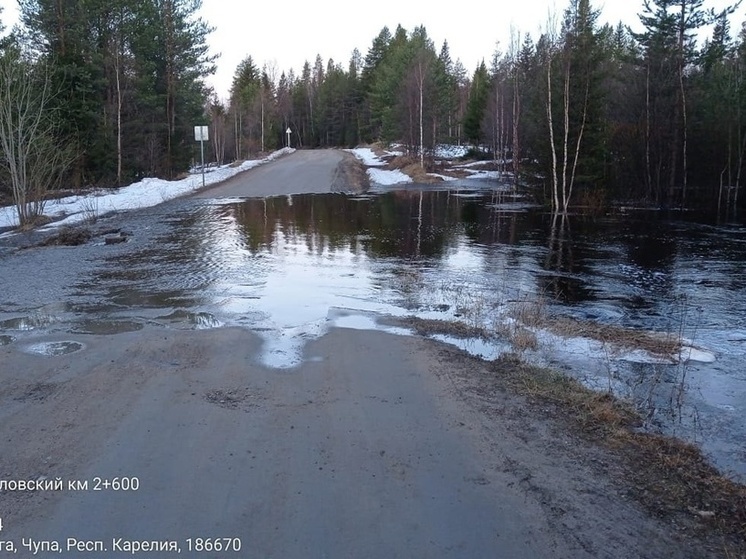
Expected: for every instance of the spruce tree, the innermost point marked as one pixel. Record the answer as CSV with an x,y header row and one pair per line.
x,y
475,110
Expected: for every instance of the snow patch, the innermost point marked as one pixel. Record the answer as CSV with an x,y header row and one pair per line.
x,y
143,194
445,178
445,151
492,175
368,158
386,178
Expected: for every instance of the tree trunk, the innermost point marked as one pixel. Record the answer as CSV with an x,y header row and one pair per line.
x,y
577,146
516,137
119,118
550,119
422,87
168,15
683,106
647,132
565,150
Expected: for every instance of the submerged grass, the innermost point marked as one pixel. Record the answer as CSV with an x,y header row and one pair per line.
x,y
429,327
532,312
656,343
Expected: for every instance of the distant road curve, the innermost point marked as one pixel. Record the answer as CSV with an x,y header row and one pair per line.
x,y
302,172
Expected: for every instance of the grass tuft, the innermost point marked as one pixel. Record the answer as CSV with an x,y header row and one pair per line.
x,y
69,236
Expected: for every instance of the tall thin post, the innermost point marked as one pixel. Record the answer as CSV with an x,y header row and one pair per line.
x,y
202,150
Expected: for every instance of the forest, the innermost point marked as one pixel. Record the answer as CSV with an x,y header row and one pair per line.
x,y
584,113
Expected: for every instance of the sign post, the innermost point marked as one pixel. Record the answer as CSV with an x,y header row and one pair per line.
x,y
288,133
202,134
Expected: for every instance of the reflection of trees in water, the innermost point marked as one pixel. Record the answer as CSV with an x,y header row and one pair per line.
x,y
559,258
405,224
652,249
567,261
416,224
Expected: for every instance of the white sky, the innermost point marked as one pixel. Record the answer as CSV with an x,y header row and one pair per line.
x,y
292,31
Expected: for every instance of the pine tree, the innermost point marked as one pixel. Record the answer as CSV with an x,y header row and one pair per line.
x,y
131,75
669,47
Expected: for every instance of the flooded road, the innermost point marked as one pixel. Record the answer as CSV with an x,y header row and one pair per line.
x,y
259,352
291,267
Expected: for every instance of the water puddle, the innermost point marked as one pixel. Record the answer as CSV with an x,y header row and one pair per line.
x,y
53,349
106,327
190,320
484,349
27,323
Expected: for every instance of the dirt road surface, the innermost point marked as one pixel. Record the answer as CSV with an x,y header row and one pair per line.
x,y
302,172
374,447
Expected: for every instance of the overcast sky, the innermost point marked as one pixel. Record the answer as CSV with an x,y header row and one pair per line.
x,y
292,31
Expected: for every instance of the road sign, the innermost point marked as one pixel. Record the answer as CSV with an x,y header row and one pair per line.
x,y
201,133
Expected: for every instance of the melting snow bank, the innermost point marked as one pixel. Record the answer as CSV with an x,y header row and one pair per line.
x,y
387,178
379,176
145,193
368,158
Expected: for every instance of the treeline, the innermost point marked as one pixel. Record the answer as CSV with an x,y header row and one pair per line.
x,y
125,79
587,111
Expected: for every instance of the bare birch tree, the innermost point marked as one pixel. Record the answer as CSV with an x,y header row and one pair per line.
x,y
551,47
32,155
576,83
515,42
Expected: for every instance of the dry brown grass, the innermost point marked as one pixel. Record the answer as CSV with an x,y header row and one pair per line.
x,y
588,406
530,311
523,340
428,327
658,344
38,221
671,478
593,201
420,175
402,161
410,165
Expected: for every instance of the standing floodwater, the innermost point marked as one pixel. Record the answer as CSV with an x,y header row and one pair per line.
x,y
290,267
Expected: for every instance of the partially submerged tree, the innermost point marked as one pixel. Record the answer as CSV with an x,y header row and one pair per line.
x,y
572,65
